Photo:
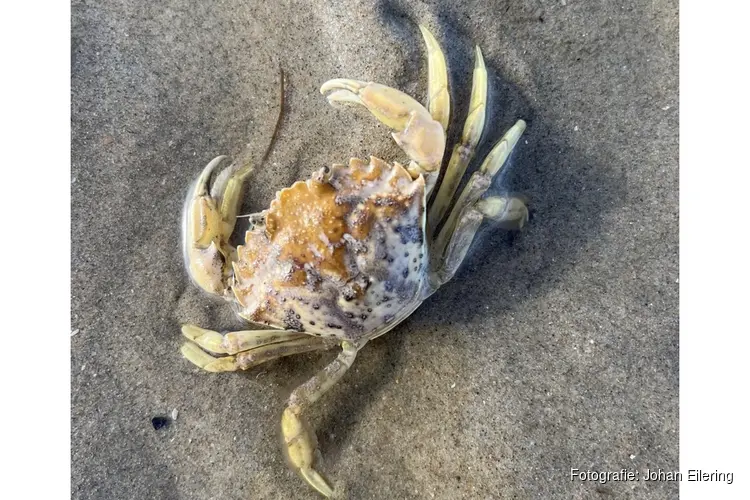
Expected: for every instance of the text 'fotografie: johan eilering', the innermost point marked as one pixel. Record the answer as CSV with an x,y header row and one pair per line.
x,y
651,475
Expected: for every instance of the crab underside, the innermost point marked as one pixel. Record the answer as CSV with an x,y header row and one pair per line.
x,y
345,256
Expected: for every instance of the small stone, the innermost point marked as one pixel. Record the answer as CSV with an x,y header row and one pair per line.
x,y
174,414
159,422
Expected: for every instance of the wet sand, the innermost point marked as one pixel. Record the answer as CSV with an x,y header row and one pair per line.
x,y
550,350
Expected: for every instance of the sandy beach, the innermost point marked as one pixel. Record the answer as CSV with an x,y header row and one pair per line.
x,y
551,350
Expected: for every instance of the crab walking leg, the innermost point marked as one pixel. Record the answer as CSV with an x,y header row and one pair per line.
x,y
509,212
416,132
234,342
438,97
477,186
463,152
299,439
250,358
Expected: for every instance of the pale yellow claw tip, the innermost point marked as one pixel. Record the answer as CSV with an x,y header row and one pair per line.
x,y
429,38
499,154
201,185
207,339
191,332
196,355
202,359
343,95
438,100
478,60
316,481
343,83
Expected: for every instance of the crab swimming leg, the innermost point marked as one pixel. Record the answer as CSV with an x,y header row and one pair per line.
x,y
463,152
469,210
244,349
299,440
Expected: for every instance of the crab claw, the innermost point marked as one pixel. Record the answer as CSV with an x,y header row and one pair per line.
x,y
420,136
205,234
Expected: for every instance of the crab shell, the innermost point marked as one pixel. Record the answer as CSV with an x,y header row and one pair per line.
x,y
341,255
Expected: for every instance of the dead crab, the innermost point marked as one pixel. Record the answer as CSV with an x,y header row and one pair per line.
x,y
347,255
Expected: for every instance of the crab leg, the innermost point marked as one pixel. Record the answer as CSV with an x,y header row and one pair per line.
x,y
299,439
248,348
463,152
234,342
467,214
438,97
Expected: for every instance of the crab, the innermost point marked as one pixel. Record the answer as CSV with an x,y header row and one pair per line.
x,y
345,256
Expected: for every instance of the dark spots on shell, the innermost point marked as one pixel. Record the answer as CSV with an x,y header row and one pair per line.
x,y
421,255
388,306
406,254
388,318
385,201
346,199
292,321
410,234
386,298
414,261
349,315
405,274
312,323
363,316
334,326
316,306
369,309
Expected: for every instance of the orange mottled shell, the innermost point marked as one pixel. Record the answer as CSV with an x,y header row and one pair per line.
x,y
341,254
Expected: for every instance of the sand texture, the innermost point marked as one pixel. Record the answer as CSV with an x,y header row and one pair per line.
x,y
550,350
